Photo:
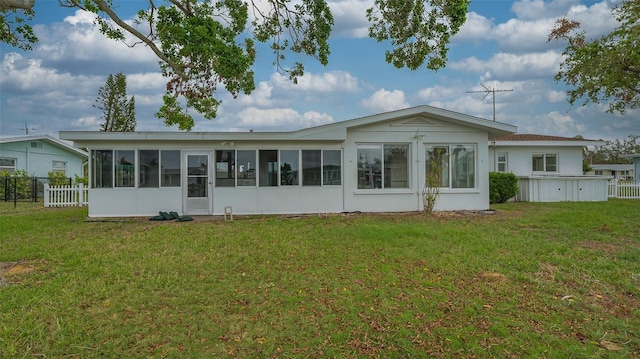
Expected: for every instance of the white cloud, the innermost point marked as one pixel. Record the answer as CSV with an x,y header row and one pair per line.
x,y
384,101
512,66
477,28
536,9
286,118
328,82
350,18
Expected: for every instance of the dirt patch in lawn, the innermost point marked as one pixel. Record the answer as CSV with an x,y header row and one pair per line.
x,y
12,272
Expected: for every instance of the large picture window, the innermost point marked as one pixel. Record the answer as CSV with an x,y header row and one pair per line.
x,y
456,162
544,162
383,166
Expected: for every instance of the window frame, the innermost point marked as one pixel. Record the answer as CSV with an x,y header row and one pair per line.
x,y
545,163
451,168
504,162
6,168
374,176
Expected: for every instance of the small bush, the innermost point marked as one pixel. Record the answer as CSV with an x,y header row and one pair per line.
x,y
502,186
18,184
58,179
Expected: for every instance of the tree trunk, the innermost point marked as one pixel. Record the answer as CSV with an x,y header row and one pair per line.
x,y
16,4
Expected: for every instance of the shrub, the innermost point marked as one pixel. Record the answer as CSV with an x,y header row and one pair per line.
x,y
18,184
502,186
58,179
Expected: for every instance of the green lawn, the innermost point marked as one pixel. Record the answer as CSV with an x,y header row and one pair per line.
x,y
532,280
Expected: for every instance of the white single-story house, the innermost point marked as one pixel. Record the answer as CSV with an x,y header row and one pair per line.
x,y
617,171
40,154
371,164
549,168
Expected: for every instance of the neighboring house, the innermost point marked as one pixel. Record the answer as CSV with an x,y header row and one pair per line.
x,y
370,164
40,154
549,168
635,159
620,172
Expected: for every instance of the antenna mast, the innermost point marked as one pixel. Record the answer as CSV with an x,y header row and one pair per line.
x,y
488,91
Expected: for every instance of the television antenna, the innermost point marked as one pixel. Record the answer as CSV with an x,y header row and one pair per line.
x,y
26,129
492,91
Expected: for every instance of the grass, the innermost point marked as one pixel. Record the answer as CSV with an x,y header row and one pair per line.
x,y
532,280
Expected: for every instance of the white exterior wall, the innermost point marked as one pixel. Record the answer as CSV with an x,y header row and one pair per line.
x,y
519,159
38,161
393,200
562,189
133,201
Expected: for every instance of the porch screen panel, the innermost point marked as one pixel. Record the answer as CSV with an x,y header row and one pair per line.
x,y
125,168
331,167
396,166
463,160
246,167
197,175
149,171
311,167
289,167
225,168
170,168
102,168
268,174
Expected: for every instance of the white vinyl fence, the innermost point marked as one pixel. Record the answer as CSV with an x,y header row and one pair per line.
x,y
65,196
623,189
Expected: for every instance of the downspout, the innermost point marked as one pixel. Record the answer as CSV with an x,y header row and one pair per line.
x,y
27,164
418,137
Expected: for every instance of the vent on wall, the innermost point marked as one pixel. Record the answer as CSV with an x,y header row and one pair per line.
x,y
35,144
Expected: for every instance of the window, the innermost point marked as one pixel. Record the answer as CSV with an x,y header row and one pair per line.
x,y
456,163
149,168
311,167
599,172
59,167
102,168
331,167
383,166
437,159
170,168
7,165
225,168
125,168
289,167
501,162
246,167
544,162
268,175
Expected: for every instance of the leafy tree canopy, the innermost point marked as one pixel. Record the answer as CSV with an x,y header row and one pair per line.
x,y
605,69
614,151
203,44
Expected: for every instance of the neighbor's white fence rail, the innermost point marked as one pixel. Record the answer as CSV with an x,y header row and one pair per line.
x,y
64,196
629,190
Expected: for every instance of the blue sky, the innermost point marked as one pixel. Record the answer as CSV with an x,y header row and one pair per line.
x,y
503,45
